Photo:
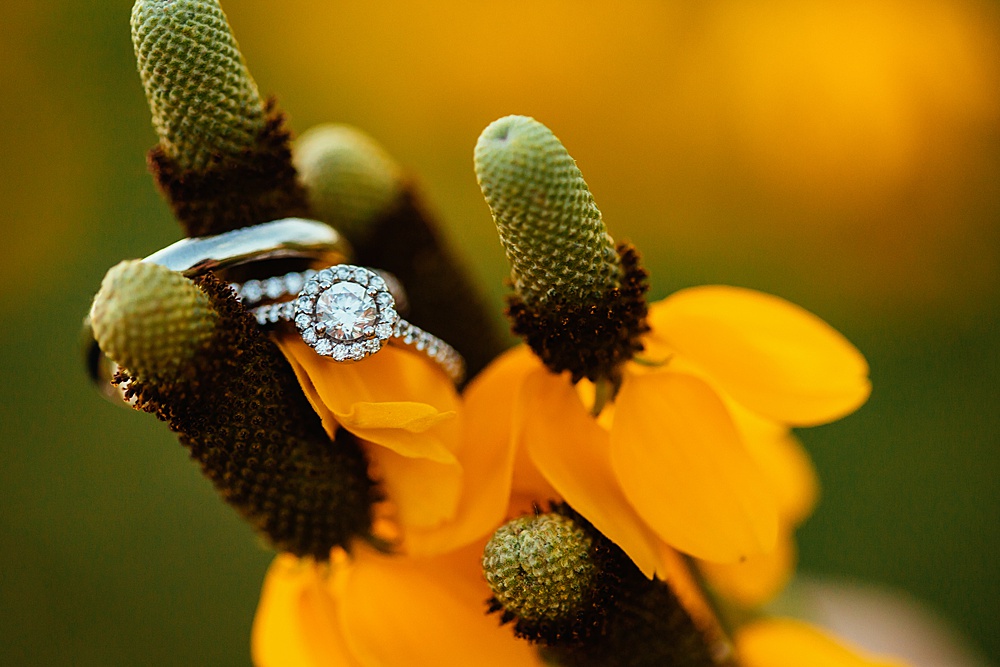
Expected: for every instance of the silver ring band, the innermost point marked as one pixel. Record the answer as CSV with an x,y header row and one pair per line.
x,y
347,313
278,239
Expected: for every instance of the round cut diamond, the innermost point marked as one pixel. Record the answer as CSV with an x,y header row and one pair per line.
x,y
302,321
346,310
294,282
360,276
273,288
252,291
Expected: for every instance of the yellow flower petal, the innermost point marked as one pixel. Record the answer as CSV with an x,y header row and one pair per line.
x,y
425,612
425,492
684,469
289,348
772,356
784,462
757,579
409,416
296,623
529,484
788,643
573,453
389,376
394,398
772,445
487,456
413,433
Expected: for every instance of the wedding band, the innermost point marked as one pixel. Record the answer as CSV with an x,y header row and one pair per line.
x,y
347,313
278,239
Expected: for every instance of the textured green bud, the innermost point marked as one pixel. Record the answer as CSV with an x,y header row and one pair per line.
x,y
549,225
539,568
151,320
203,101
579,301
351,180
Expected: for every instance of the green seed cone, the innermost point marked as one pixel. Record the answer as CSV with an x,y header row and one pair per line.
x,y
203,101
549,225
351,180
151,320
539,568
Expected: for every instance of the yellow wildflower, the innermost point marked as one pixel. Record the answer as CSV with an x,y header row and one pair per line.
x,y
694,452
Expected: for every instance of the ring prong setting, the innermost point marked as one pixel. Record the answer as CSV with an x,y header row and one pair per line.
x,y
346,312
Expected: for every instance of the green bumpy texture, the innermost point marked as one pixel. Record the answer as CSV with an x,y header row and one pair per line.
x,y
549,225
151,320
203,101
539,567
350,178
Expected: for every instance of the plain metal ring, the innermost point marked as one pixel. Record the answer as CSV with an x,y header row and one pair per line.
x,y
287,238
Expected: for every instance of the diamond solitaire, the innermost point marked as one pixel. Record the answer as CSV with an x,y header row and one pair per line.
x,y
347,311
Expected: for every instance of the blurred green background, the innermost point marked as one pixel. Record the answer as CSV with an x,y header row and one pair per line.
x,y
844,154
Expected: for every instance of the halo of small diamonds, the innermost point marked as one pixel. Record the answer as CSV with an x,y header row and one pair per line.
x,y
345,312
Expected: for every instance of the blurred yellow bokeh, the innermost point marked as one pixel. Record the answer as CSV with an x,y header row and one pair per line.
x,y
782,128
764,133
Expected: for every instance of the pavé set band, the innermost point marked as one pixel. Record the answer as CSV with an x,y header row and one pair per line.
x,y
344,312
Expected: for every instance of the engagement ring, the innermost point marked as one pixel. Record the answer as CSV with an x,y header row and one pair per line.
x,y
346,313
